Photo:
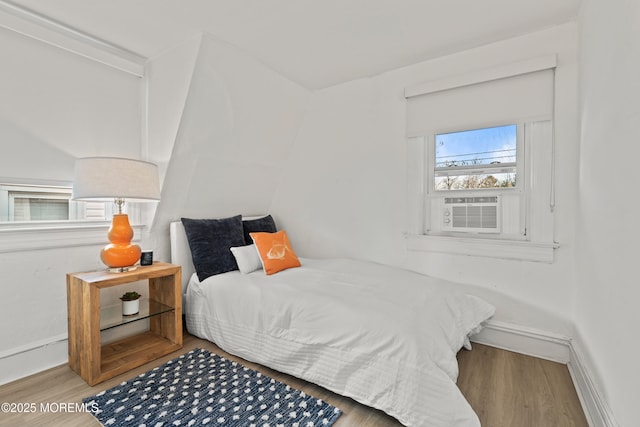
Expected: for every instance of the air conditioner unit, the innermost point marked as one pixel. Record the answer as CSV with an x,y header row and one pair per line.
x,y
472,214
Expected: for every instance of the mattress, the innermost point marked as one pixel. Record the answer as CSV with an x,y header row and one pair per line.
x,y
384,336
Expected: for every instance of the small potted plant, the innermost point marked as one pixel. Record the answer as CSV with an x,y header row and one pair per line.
x,y
130,303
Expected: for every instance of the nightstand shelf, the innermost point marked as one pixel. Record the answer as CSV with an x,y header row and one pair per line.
x,y
112,317
96,362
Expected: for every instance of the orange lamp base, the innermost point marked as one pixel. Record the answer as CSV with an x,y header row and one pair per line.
x,y
120,253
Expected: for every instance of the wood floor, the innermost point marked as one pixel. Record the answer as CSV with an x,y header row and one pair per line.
x,y
504,388
511,389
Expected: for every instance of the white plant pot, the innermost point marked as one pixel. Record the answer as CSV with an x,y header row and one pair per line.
x,y
130,307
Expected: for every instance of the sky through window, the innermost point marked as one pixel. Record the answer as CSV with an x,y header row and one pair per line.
x,y
476,147
476,159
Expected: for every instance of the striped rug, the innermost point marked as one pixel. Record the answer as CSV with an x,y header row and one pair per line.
x,y
200,388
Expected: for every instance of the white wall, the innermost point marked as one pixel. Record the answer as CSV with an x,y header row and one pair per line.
x,y
169,77
344,186
238,124
607,290
56,106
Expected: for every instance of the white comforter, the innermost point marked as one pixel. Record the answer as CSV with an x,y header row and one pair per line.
x,y
384,336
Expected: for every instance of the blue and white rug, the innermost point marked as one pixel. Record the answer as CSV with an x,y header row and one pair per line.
x,y
202,388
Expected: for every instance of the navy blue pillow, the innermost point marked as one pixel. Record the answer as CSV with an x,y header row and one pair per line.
x,y
210,241
264,224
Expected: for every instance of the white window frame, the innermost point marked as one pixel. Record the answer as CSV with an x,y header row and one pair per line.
x,y
535,240
9,192
522,190
487,169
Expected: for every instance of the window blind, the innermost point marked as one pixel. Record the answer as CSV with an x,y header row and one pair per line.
x,y
524,97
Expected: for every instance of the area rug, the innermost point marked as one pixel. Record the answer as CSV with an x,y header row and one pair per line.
x,y
202,388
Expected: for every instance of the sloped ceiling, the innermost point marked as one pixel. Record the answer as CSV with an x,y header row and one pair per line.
x,y
316,43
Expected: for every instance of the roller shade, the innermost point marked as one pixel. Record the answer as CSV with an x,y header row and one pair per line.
x,y
524,97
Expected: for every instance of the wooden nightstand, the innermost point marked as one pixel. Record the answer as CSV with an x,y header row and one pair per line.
x,y
95,362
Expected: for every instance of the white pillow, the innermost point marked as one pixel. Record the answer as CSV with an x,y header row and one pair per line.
x,y
247,258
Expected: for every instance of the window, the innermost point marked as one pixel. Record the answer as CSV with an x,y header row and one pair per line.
x,y
480,162
476,159
479,170
28,209
38,206
31,203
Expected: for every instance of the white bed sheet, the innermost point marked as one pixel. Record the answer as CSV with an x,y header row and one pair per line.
x,y
384,336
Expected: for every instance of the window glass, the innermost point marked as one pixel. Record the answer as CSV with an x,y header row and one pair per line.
x,y
27,208
30,203
476,159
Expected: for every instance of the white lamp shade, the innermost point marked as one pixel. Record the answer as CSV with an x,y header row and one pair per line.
x,y
108,178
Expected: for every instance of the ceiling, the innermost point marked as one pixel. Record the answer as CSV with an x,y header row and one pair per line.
x,y
316,43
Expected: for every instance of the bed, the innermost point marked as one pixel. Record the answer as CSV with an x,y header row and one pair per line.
x,y
384,336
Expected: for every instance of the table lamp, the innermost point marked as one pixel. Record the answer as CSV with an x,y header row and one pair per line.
x,y
116,179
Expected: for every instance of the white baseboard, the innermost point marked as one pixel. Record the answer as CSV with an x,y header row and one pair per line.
x,y
529,341
557,348
38,356
596,409
23,361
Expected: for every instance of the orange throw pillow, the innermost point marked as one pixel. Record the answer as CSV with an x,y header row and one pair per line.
x,y
275,251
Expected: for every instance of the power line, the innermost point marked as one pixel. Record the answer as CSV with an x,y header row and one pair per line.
x,y
480,152
476,161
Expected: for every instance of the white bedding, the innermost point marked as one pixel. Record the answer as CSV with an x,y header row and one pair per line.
x,y
384,336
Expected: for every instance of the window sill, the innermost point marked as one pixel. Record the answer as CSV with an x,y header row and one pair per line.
x,y
20,237
484,247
